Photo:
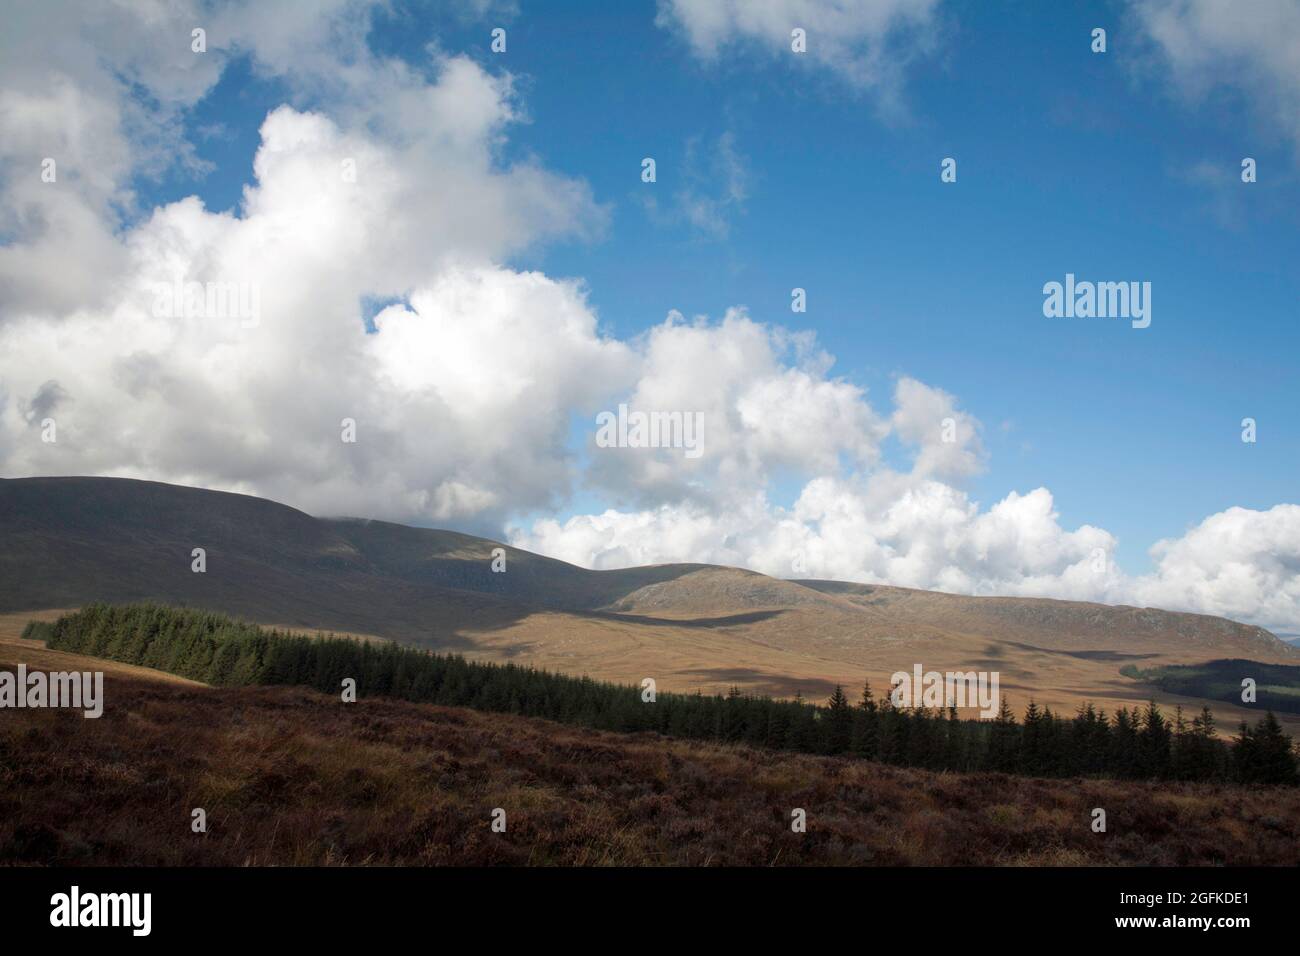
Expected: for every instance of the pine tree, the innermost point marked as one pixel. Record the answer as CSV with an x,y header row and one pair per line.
x,y
1089,741
954,751
1245,762
839,720
1004,741
802,733
892,735
866,725
1182,747
1154,743
1033,746
1124,757
1205,751
732,716
1271,758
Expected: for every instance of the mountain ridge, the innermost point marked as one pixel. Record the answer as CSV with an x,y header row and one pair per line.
x,y
37,515
65,542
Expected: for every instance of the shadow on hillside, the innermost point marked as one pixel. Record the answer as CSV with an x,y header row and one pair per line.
x,y
1101,655
726,620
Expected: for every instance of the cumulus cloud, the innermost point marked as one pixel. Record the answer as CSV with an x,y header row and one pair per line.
x,y
867,43
1251,47
947,439
765,401
98,90
385,181
460,398
462,394
1239,563
888,529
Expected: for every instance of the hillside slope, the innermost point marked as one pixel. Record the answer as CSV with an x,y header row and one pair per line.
x,y
65,542
1053,623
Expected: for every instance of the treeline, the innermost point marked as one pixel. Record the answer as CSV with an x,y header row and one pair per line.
x,y
1277,685
1135,744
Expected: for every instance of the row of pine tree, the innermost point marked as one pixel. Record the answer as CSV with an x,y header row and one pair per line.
x,y
1136,744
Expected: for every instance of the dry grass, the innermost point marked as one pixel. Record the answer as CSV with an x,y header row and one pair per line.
x,y
810,650
292,777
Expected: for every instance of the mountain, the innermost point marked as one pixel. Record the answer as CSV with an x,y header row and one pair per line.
x,y
68,541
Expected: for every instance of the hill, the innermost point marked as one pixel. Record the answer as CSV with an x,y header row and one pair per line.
x,y
65,542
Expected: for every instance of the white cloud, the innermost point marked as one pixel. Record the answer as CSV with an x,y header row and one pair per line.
x,y
97,88
1251,46
867,43
466,395
891,529
760,415
1239,563
462,400
947,439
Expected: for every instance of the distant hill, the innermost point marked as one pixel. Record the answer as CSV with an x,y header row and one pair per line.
x,y
65,542
1053,623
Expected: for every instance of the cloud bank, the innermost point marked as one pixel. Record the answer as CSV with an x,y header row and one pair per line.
x,y
473,393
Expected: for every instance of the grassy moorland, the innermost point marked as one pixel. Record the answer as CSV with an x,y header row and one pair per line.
x,y
218,650
291,776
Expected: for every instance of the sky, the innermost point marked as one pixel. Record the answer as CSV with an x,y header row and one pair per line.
x,y
454,248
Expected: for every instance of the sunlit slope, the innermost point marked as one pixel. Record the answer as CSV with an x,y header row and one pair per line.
x,y
67,541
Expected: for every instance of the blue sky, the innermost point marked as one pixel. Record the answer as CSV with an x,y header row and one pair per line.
x,y
1068,161
453,248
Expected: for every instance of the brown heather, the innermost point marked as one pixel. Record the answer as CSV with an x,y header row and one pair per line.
x,y
293,777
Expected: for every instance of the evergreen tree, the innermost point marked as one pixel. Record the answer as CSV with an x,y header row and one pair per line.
x,y
866,725
1124,759
1004,741
1154,743
955,755
839,722
1181,753
1269,756
1033,759
1204,760
1089,741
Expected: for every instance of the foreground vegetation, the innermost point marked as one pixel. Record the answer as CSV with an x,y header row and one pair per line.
x,y
289,776
1131,745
